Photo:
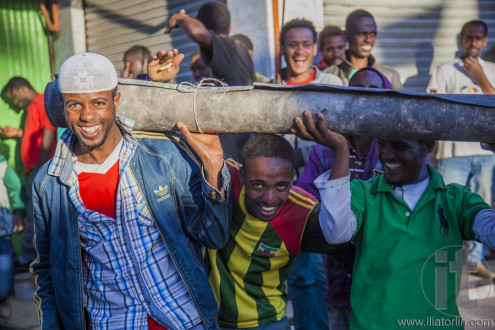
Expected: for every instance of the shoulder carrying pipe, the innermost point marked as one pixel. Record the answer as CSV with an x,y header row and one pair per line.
x,y
270,108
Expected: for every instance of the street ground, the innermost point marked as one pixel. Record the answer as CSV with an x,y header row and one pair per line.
x,y
481,291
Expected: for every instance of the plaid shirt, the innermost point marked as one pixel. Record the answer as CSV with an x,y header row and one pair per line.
x,y
128,273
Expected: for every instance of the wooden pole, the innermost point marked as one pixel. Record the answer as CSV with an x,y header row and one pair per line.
x,y
276,31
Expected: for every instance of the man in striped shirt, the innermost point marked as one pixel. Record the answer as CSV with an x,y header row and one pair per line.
x,y
272,221
121,215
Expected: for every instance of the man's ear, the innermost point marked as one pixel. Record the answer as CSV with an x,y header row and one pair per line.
x,y
116,100
428,147
315,49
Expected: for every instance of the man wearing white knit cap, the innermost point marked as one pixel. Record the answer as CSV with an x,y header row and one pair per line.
x,y
121,216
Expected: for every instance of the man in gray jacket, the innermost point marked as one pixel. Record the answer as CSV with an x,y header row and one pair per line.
x,y
360,30
299,47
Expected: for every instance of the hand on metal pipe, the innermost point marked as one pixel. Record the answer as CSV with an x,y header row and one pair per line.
x,y
319,132
208,148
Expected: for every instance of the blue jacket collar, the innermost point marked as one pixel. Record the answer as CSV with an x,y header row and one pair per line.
x,y
64,158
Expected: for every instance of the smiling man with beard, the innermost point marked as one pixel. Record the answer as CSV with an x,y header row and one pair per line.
x,y
272,221
361,33
407,226
121,216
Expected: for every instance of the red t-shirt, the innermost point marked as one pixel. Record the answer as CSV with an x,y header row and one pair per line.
x,y
322,65
307,81
99,191
36,122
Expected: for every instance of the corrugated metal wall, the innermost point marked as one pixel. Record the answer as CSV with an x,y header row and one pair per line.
x,y
113,26
414,36
23,52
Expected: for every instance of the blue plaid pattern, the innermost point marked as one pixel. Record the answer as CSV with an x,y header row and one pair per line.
x,y
128,272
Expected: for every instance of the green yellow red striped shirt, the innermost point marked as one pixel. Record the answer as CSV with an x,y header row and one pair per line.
x,y
247,276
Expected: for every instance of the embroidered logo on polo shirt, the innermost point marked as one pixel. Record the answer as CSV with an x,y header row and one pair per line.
x,y
444,224
267,250
162,192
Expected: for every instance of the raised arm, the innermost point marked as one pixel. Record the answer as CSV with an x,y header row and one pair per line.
x,y
337,221
210,152
164,66
193,28
313,239
320,134
208,199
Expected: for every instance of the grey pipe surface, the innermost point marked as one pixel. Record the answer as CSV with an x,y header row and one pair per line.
x,y
268,108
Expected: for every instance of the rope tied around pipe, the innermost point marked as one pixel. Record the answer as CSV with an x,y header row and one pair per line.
x,y
187,87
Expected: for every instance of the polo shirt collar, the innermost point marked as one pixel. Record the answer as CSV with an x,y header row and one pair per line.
x,y
436,181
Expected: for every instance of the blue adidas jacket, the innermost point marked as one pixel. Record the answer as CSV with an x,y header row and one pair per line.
x,y
192,217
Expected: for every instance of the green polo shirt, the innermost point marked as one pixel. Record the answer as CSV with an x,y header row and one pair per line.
x,y
408,263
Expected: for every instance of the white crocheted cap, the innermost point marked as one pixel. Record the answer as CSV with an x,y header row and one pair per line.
x,y
87,73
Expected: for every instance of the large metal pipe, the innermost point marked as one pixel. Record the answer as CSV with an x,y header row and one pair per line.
x,y
272,108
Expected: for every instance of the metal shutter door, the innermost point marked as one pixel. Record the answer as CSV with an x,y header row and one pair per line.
x,y
414,36
113,26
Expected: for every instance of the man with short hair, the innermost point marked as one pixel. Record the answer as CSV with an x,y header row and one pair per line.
x,y
361,36
363,163
135,62
332,46
248,44
38,139
210,29
121,216
465,162
229,61
272,221
298,45
407,226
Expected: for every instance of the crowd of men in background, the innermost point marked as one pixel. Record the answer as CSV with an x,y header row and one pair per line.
x,y
263,216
